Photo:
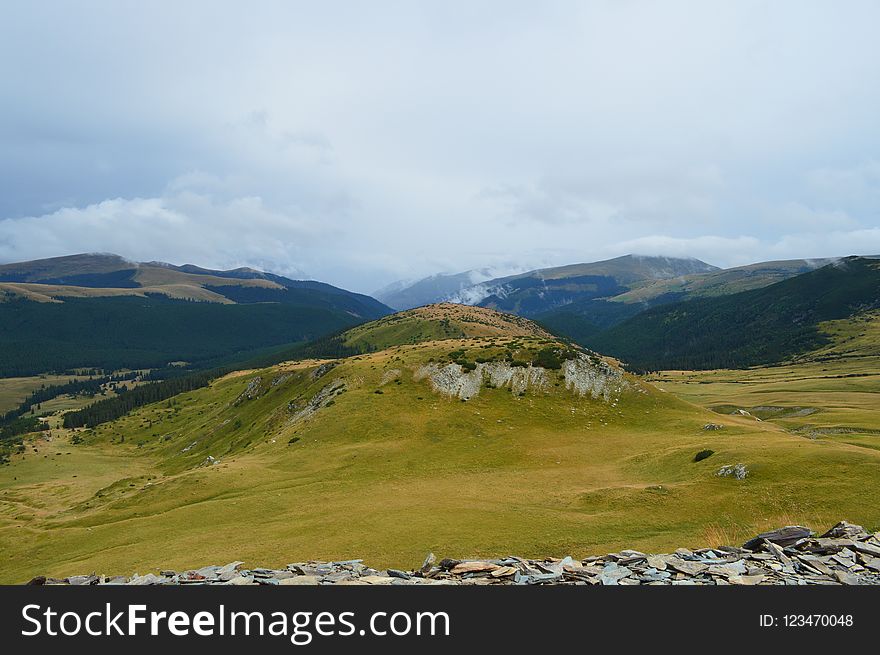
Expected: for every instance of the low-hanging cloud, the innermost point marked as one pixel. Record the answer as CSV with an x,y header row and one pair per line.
x,y
360,145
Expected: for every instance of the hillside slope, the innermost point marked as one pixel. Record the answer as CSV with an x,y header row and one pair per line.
x,y
100,275
105,312
540,291
760,326
467,446
582,320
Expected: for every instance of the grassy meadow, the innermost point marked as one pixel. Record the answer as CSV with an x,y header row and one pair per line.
x,y
387,469
13,391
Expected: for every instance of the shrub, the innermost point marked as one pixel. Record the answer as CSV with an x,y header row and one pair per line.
x,y
547,358
703,454
293,440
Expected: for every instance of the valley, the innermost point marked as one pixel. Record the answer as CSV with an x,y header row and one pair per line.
x,y
455,430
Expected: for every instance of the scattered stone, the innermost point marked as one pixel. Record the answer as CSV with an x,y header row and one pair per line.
x,y
473,567
786,536
713,426
251,391
844,530
738,471
847,578
746,579
845,555
688,568
428,563
323,369
657,562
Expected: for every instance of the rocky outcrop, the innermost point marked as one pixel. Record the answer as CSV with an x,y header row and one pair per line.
x,y
594,377
321,399
323,369
738,471
453,380
389,376
251,391
583,375
845,555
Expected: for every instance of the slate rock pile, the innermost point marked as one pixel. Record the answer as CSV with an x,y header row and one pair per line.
x,y
845,555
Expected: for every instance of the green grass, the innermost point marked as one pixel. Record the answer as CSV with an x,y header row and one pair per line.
x,y
13,391
391,476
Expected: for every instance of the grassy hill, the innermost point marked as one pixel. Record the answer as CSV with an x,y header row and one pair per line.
x,y
499,440
440,321
761,326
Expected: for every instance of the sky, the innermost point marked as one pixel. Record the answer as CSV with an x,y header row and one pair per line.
x,y
361,143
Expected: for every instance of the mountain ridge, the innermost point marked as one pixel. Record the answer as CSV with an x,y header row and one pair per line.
x,y
103,311
612,275
759,326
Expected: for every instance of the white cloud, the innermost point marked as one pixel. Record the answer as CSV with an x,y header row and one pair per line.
x,y
186,227
359,144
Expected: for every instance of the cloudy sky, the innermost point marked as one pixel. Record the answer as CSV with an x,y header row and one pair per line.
x,y
359,143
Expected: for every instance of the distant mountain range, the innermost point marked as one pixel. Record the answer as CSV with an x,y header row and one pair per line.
x,y
659,312
101,275
758,326
541,290
441,287
103,311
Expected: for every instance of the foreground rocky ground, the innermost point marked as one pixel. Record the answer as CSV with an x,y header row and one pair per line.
x,y
847,554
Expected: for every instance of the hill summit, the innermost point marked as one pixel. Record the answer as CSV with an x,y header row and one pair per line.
x,y
441,321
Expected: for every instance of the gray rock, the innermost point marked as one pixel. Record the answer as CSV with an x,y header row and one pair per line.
x,y
737,471
783,536
428,563
686,567
143,580
847,578
844,529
